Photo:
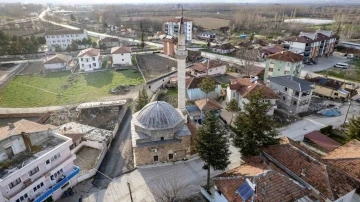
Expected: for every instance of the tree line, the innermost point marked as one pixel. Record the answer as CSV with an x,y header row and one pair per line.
x,y
15,45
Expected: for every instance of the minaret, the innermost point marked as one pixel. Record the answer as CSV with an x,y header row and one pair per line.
x,y
181,54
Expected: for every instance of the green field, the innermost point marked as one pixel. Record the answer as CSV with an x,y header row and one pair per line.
x,y
60,88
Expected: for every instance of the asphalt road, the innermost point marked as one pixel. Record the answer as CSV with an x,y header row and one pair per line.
x,y
116,161
326,63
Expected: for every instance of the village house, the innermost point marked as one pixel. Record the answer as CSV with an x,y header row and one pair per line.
x,y
169,45
172,28
197,112
241,88
210,36
194,92
59,62
330,88
295,93
331,177
165,140
256,180
89,59
39,163
208,68
269,50
121,56
283,63
109,42
225,48
63,38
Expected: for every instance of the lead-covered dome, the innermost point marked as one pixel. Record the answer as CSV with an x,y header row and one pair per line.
x,y
159,115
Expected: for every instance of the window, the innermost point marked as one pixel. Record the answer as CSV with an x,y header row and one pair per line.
x,y
286,89
288,64
122,54
162,138
156,158
94,64
294,102
34,189
279,70
271,62
284,98
171,156
33,171
82,65
82,59
271,69
336,94
14,183
22,198
122,60
93,58
87,60
47,161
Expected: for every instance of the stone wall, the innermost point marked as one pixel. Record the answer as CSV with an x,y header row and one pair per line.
x,y
144,154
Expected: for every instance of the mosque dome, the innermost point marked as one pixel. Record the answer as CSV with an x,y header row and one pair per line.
x,y
159,115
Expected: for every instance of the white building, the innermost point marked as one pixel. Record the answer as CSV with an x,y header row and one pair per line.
x,y
63,38
208,35
58,62
89,59
121,56
223,48
208,68
241,88
172,28
39,163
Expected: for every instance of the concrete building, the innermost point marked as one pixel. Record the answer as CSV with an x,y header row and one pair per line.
x,y
194,92
208,68
159,134
121,56
295,93
58,62
169,45
177,25
89,59
223,48
240,89
283,63
181,54
109,42
37,163
329,88
63,38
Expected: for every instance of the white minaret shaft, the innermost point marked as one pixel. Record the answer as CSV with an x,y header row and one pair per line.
x,y
181,54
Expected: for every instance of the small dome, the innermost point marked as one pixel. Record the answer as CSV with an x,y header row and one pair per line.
x,y
159,115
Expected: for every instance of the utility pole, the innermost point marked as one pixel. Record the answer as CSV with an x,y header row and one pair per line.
x,y
128,184
347,113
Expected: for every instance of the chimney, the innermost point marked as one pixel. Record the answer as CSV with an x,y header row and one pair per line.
x,y
11,126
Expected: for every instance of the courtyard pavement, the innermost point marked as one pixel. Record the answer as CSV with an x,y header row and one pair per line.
x,y
326,63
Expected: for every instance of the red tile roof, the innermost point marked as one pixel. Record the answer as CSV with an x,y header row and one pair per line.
x,y
322,140
121,49
256,70
349,150
246,88
58,58
201,67
89,52
301,39
207,104
225,46
286,56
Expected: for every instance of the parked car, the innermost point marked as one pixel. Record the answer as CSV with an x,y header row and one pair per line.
x,y
350,56
342,65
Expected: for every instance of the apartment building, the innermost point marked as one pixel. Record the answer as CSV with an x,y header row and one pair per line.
x,y
89,59
283,63
312,45
37,163
172,28
63,38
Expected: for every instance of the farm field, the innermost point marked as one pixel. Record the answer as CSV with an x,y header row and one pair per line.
x,y
61,88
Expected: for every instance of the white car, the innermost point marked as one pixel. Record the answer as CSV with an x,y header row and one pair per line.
x,y
350,56
342,65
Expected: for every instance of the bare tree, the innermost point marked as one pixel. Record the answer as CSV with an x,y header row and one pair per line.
x,y
247,58
169,188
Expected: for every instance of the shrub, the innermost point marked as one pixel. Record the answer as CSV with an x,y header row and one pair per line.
x,y
327,130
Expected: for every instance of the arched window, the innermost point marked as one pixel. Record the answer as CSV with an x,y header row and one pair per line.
x,y
162,138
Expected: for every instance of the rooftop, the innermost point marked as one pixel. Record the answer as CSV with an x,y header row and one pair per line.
x,y
225,46
90,133
347,151
322,140
208,64
246,88
121,49
292,82
286,56
89,52
300,39
326,82
272,49
64,32
208,104
58,58
193,82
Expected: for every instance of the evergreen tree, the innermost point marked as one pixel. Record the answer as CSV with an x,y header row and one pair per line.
x,y
103,46
352,129
68,48
142,100
94,44
232,107
72,17
207,85
58,48
211,144
74,46
41,40
253,128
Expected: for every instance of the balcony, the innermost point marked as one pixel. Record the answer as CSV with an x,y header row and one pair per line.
x,y
69,175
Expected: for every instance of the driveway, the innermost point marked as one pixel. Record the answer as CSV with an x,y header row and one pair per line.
x,y
326,63
297,130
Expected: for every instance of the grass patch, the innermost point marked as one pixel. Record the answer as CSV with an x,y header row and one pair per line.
x,y
93,39
61,88
351,74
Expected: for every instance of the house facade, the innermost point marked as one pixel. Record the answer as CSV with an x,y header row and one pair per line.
x,y
295,93
329,88
121,56
63,38
194,92
283,63
208,35
57,62
172,28
40,163
170,45
208,68
223,48
89,59
109,42
240,89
